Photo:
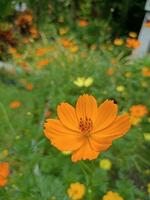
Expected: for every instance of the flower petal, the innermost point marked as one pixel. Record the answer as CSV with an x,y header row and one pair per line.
x,y
61,137
107,112
4,169
86,107
3,181
67,116
100,146
84,152
117,129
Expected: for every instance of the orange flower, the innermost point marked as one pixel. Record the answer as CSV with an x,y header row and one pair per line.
x,y
133,43
138,110
83,23
34,32
17,55
4,172
47,113
66,42
23,64
76,191
29,86
25,18
110,71
12,50
63,31
146,71
50,48
112,196
15,104
147,24
26,40
41,51
42,63
86,130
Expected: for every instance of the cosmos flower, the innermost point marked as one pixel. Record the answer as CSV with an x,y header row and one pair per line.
x,y
41,51
138,110
15,104
76,191
120,88
105,164
63,31
86,130
110,71
118,42
133,34
4,172
34,32
29,86
135,120
112,196
41,64
12,50
66,42
74,49
83,82
132,43
25,18
83,23
147,24
147,137
146,71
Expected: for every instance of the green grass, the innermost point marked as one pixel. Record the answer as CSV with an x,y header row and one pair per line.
x,y
38,170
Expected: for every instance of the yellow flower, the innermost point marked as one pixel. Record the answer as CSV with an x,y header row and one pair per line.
x,y
63,31
147,172
4,154
79,81
112,196
120,88
147,136
133,34
88,82
53,198
74,49
83,82
146,71
128,74
135,120
148,187
76,191
105,164
66,152
118,42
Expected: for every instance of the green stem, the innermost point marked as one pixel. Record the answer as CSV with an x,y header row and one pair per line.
x,y
142,159
88,172
7,119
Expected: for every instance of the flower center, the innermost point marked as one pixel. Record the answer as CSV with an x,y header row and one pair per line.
x,y
86,126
